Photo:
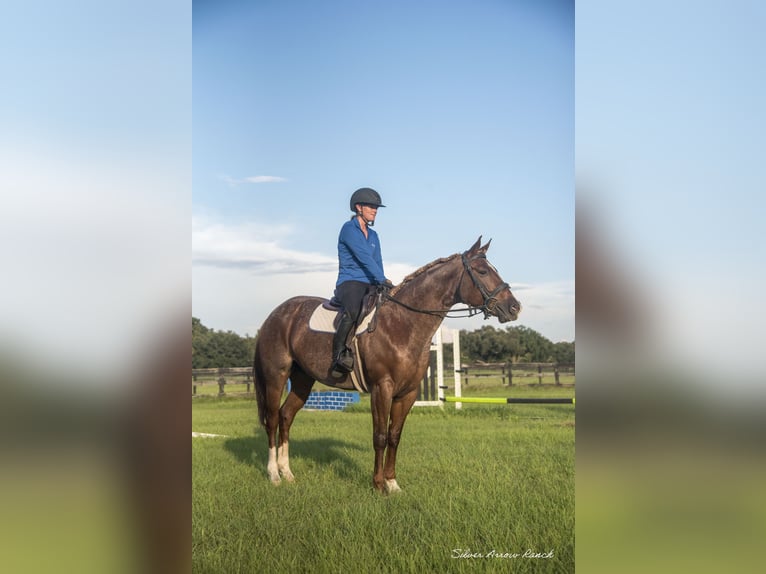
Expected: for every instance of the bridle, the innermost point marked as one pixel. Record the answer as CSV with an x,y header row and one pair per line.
x,y
490,299
487,307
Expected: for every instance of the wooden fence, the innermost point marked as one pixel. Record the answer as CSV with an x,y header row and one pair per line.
x,y
222,376
508,373
244,375
521,373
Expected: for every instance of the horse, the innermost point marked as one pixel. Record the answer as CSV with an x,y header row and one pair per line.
x,y
394,356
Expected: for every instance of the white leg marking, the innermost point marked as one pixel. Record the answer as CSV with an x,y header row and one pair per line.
x,y
284,462
271,468
392,486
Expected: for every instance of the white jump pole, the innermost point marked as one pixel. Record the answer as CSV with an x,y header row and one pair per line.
x,y
436,345
456,365
440,367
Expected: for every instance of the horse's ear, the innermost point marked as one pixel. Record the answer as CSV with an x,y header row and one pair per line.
x,y
475,246
484,249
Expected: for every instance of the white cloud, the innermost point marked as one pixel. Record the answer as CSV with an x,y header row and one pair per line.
x,y
254,247
252,179
548,308
264,179
241,272
233,298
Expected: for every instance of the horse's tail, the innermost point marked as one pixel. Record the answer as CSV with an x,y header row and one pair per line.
x,y
259,384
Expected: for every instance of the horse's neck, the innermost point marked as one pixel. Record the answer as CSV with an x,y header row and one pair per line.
x,y
433,290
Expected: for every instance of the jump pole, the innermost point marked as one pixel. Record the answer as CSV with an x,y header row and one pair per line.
x,y
510,400
459,400
439,365
436,345
458,368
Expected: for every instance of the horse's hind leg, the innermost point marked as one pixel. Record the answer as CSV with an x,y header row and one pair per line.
x,y
270,379
271,423
300,388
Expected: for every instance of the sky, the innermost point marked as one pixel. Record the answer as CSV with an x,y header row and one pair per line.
x,y
460,115
128,127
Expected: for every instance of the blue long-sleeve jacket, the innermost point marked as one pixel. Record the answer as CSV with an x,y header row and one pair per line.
x,y
359,257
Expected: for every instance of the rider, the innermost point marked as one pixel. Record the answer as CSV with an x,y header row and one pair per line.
x,y
360,265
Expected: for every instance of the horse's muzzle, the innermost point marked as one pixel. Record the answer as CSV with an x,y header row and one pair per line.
x,y
507,311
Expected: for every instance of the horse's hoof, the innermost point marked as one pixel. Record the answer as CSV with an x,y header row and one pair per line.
x,y
288,476
274,478
391,486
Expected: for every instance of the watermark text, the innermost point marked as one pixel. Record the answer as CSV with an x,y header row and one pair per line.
x,y
467,553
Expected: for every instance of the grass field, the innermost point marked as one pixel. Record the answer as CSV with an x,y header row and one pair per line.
x,y
482,486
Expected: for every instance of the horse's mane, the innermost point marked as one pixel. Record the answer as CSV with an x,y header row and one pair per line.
x,y
422,270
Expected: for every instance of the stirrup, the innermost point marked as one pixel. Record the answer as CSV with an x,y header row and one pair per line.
x,y
343,363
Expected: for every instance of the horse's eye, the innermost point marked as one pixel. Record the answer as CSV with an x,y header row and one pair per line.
x,y
482,271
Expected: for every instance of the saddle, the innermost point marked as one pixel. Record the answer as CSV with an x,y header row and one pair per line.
x,y
326,316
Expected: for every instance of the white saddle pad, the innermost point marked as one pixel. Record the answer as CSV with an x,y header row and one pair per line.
x,y
322,319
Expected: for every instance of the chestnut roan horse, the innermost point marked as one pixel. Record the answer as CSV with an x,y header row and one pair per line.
x,y
395,355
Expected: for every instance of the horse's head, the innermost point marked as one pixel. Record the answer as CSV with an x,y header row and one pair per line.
x,y
486,289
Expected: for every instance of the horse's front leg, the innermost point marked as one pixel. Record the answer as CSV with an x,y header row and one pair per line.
x,y
380,403
400,408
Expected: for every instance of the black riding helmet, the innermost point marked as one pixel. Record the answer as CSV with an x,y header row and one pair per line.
x,y
367,196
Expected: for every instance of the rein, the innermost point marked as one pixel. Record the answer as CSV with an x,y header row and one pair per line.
x,y
490,299
470,311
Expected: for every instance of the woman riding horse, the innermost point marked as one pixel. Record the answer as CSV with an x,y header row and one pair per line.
x,y
360,265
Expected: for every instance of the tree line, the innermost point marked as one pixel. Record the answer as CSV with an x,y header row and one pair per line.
x,y
212,348
513,344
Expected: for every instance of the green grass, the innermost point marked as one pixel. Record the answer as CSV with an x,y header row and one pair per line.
x,y
484,478
211,388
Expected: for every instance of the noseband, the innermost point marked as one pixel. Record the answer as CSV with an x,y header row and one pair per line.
x,y
490,299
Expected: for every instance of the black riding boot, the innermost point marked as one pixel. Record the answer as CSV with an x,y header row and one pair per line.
x,y
343,360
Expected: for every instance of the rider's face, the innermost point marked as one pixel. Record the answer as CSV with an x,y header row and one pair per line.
x,y
368,212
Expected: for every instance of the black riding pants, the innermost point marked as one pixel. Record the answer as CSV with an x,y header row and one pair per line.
x,y
351,294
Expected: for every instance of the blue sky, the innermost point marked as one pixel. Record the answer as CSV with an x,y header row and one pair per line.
x,y
462,136
460,114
